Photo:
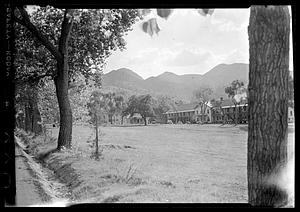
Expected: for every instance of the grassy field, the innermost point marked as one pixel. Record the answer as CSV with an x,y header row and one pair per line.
x,y
162,163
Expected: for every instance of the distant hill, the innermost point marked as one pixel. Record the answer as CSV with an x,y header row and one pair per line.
x,y
179,86
225,74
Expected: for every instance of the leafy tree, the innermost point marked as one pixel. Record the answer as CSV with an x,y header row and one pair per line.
x,y
97,106
120,105
162,105
64,43
28,116
140,104
115,105
217,107
237,92
203,95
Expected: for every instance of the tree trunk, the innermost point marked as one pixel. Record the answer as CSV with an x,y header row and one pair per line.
x,y
111,119
65,112
269,30
145,120
36,118
236,115
97,139
32,113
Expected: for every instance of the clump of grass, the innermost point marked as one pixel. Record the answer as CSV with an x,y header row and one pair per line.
x,y
126,174
167,183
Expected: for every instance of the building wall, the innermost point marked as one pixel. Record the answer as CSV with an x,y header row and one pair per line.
x,y
203,114
210,115
184,116
227,114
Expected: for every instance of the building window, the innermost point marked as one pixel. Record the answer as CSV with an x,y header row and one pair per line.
x,y
291,112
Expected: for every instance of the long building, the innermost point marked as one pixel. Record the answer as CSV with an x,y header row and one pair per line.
x,y
209,113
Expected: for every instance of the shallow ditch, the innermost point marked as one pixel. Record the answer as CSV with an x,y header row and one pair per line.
x,y
49,182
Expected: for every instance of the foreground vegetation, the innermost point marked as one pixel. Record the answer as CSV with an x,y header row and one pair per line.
x,y
158,163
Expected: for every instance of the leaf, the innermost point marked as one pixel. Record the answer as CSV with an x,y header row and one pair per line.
x,y
204,12
151,26
164,13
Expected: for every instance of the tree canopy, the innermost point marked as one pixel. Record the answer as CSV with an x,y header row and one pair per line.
x,y
94,35
142,104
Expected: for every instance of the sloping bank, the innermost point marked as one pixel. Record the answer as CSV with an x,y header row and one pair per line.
x,y
53,169
107,180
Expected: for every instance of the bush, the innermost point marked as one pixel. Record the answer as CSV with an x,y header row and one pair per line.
x,y
169,122
180,122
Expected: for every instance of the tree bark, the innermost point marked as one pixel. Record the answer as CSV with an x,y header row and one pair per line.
x,y
65,112
269,30
97,138
62,83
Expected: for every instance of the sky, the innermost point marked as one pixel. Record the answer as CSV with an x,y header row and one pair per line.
x,y
188,43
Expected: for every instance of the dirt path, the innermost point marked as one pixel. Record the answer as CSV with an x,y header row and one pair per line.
x,y
28,191
36,185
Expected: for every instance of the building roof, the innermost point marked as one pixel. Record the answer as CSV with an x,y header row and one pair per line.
x,y
184,107
193,106
230,103
136,115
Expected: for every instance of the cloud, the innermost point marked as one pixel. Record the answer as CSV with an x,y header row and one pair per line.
x,y
187,43
187,58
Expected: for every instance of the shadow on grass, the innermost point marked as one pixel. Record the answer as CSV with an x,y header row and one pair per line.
x,y
42,155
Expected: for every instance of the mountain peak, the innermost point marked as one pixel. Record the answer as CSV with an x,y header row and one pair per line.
x,y
167,73
125,71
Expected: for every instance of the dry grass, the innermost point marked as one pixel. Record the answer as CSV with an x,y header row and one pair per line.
x,y
162,163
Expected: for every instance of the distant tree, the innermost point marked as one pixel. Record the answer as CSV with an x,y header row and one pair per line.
x,y
203,95
120,106
48,103
217,107
28,116
237,92
97,106
142,105
115,105
162,105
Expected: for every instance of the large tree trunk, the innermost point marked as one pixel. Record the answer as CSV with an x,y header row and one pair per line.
x,y
268,30
61,85
145,120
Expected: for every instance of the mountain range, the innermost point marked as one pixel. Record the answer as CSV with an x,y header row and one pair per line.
x,y
181,87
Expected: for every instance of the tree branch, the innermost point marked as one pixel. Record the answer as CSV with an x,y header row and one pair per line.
x,y
31,79
66,27
27,23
